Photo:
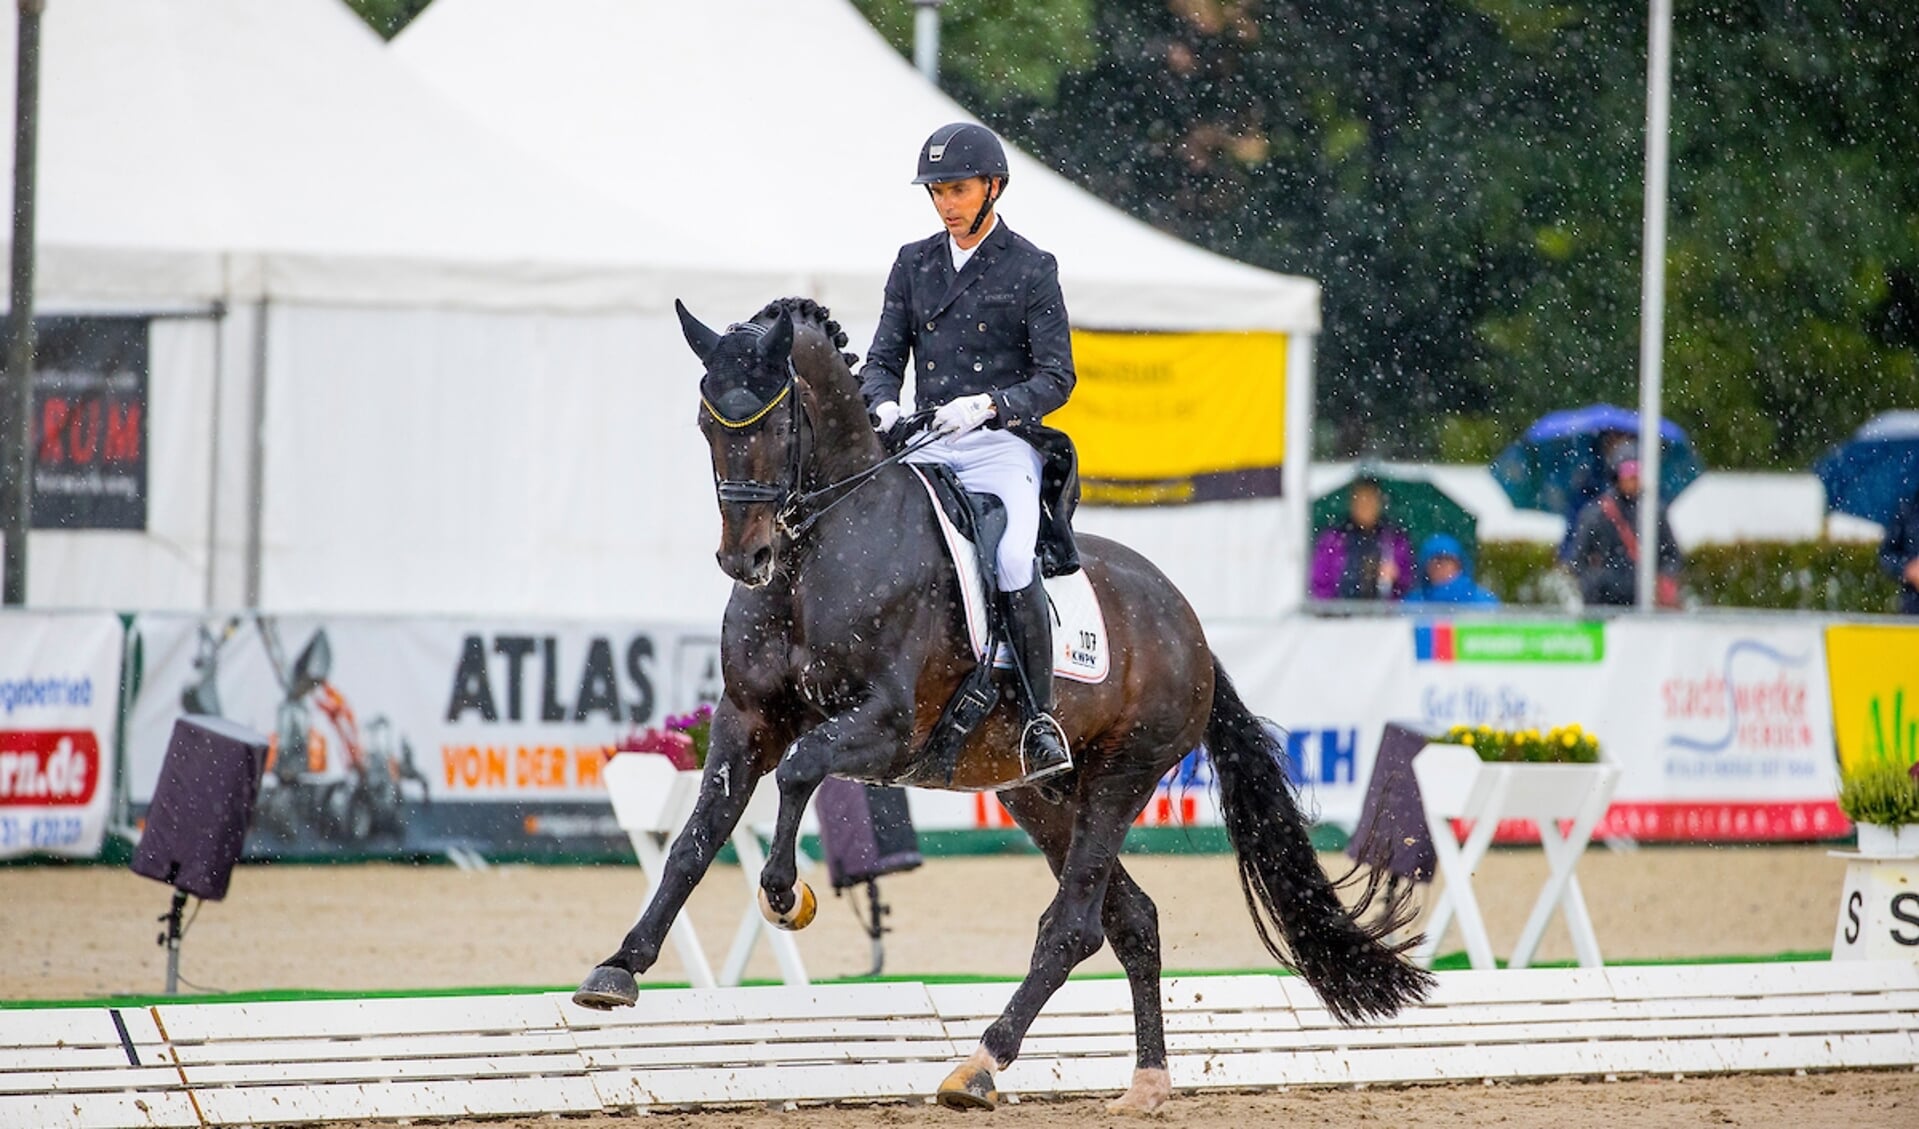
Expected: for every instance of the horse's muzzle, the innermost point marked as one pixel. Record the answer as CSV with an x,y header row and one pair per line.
x,y
752,568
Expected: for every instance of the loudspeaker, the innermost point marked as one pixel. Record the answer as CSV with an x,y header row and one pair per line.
x,y
865,831
201,806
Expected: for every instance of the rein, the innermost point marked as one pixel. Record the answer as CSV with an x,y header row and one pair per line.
x,y
851,484
797,512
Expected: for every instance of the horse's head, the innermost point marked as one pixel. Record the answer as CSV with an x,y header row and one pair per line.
x,y
751,415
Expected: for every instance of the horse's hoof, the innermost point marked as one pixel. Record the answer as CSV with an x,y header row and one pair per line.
x,y
805,908
1151,1088
606,988
968,1087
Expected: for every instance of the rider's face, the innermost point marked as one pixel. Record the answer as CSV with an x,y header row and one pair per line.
x,y
957,202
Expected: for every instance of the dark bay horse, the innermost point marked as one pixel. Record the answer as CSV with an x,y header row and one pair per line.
x,y
842,642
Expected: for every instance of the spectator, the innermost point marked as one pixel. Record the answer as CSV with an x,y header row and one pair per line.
x,y
1589,480
1606,545
1899,553
1363,557
1443,578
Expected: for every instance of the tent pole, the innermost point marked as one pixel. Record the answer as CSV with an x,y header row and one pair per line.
x,y
213,450
1296,470
16,434
1652,294
257,457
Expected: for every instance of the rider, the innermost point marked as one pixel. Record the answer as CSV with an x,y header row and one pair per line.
x,y
981,311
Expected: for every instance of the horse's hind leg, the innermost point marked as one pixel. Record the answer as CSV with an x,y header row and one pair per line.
x,y
1132,928
1071,929
1131,922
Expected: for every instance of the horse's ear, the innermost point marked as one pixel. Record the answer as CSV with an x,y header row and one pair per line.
x,y
777,345
698,336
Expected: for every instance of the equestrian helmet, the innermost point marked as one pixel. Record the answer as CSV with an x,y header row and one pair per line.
x,y
961,151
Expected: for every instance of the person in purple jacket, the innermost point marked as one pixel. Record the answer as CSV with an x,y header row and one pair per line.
x,y
1364,557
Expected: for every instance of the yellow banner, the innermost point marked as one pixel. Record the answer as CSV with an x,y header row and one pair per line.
x,y
1177,417
1875,693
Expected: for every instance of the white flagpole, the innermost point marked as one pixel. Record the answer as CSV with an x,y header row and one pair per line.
x,y
1652,293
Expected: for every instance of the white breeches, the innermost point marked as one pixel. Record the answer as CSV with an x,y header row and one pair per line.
x,y
1002,464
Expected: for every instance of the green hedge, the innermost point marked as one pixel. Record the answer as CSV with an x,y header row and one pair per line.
x,y
1827,576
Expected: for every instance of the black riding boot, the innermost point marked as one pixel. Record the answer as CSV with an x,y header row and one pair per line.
x,y
1029,627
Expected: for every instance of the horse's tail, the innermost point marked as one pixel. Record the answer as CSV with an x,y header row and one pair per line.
x,y
1357,973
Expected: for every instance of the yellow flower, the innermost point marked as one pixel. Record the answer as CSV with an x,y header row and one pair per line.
x,y
1569,740
1466,739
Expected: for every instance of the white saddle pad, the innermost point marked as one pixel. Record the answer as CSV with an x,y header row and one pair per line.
x,y
1079,627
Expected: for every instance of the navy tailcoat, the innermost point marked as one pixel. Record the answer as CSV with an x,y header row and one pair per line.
x,y
997,327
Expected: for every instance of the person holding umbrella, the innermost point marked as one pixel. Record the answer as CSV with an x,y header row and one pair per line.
x,y
1364,557
1606,545
1899,553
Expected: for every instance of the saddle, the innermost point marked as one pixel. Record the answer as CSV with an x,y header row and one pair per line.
x,y
980,518
971,526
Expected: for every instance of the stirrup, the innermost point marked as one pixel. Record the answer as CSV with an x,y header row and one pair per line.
x,y
1044,772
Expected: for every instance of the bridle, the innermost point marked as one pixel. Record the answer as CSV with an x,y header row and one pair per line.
x,y
748,491
797,509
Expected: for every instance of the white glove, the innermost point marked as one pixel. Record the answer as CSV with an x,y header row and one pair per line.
x,y
963,415
886,417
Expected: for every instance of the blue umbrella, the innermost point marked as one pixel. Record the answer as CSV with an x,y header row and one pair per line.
x,y
1878,468
1560,463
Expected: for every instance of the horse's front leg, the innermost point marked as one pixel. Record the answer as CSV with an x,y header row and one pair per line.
x,y
733,753
863,742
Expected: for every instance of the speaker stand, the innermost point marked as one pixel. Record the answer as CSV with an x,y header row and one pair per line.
x,y
875,926
170,940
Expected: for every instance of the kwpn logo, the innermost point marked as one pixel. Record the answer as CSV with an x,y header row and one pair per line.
x,y
55,768
1445,642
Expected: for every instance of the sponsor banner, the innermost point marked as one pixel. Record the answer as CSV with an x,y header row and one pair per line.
x,y
90,423
1725,821
1712,713
1875,693
416,736
1184,797
1723,730
59,696
1330,686
1177,417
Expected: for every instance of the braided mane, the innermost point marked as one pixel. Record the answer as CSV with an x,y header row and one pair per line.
x,y
805,311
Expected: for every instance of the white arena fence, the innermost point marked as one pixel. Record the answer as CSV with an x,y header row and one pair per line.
x,y
478,1056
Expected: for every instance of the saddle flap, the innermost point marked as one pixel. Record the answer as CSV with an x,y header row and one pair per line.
x,y
979,518
1080,650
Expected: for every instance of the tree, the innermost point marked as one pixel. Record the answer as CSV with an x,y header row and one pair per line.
x,y
992,50
1464,178
388,16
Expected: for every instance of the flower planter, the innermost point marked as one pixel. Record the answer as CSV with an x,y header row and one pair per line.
x,y
1454,784
1879,841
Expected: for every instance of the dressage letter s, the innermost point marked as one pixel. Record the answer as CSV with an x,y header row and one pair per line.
x,y
1905,907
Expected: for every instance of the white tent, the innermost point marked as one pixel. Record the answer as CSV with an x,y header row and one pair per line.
x,y
786,130
408,368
